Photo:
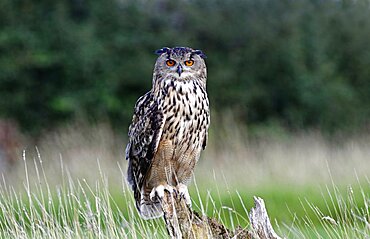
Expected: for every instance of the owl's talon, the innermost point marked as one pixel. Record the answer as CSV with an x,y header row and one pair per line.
x,y
159,191
183,192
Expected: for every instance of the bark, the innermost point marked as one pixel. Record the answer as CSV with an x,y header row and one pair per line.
x,y
182,222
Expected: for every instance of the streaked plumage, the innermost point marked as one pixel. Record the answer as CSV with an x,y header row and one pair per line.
x,y
169,127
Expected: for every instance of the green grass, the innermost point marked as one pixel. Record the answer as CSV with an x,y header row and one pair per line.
x,y
76,208
74,186
72,209
300,212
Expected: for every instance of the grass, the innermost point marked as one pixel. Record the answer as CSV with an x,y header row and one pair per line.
x,y
73,186
346,215
77,209
72,209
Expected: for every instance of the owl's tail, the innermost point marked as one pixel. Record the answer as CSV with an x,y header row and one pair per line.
x,y
146,207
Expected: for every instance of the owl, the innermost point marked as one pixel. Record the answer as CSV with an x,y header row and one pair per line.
x,y
169,129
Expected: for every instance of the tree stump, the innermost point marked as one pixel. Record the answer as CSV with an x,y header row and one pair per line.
x,y
182,222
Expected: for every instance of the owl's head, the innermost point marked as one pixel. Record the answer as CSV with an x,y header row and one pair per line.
x,y
180,63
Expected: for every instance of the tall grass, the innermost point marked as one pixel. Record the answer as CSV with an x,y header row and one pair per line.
x,y
78,209
346,215
73,208
73,186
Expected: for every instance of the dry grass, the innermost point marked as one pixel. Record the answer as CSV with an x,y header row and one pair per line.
x,y
302,158
277,156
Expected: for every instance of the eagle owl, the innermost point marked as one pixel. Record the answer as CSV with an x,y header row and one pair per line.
x,y
169,129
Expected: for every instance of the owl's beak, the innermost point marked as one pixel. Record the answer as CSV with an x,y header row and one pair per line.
x,y
179,70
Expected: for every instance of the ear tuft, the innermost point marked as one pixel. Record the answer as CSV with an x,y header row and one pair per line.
x,y
200,53
162,50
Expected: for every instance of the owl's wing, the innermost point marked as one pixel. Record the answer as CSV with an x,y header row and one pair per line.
x,y
144,134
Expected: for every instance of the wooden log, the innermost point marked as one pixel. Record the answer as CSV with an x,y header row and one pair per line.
x,y
260,221
182,222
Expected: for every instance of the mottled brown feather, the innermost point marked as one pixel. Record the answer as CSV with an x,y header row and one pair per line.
x,y
169,128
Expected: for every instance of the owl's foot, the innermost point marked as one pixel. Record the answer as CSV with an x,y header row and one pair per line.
x,y
159,191
183,192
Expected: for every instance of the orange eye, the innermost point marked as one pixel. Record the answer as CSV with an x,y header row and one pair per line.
x,y
170,62
189,63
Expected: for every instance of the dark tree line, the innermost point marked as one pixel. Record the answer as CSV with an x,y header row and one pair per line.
x,y
296,63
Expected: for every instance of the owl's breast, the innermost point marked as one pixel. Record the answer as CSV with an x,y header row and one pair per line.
x,y
186,111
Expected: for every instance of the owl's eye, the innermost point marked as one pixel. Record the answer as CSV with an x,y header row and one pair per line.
x,y
170,62
189,63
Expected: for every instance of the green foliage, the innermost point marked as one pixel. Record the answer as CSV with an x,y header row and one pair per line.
x,y
299,63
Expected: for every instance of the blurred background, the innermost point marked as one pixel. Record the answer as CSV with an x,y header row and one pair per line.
x,y
296,64
288,82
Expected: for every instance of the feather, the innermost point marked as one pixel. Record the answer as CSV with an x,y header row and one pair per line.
x,y
144,135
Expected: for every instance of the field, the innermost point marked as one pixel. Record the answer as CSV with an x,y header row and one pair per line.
x,y
72,185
